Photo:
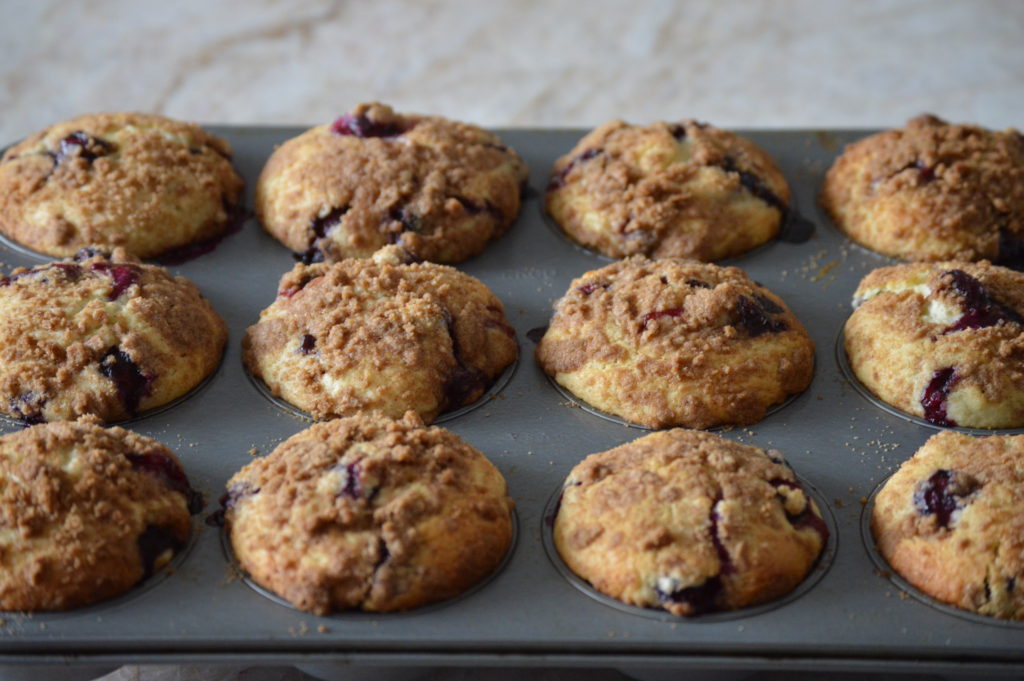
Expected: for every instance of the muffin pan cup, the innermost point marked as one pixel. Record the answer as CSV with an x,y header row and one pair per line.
x,y
853,619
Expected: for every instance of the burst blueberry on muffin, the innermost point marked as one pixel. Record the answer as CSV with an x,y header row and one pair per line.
x,y
672,342
439,188
932,191
88,513
142,182
951,522
369,513
667,190
689,522
104,335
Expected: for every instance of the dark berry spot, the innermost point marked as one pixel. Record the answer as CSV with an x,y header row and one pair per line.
x,y
935,396
80,145
167,470
1011,249
678,130
123,276
755,318
754,184
697,283
980,309
132,385
558,180
702,598
90,252
537,334
658,314
465,382
321,226
588,288
361,126
1011,584
926,171
71,271
310,256
767,304
724,561
228,501
308,344
410,221
943,494
352,488
383,553
806,518
154,544
28,407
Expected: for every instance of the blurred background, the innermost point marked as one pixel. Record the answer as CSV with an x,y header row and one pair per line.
x,y
523,63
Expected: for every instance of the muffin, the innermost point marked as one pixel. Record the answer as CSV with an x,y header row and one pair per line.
x,y
101,334
380,334
684,190
688,522
369,513
142,182
439,188
951,522
671,342
87,512
942,341
932,191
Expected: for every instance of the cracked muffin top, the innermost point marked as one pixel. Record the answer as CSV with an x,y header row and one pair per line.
x,y
101,334
951,522
942,341
932,191
369,513
688,522
87,513
380,334
673,342
141,182
439,188
682,189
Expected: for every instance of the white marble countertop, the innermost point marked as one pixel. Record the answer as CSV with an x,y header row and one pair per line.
x,y
756,64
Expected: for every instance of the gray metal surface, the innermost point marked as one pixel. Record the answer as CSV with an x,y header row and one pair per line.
x,y
853,618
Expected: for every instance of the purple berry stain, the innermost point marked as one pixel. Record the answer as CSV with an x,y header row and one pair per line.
x,y
167,470
132,385
308,344
587,289
464,381
754,184
702,598
228,500
153,543
352,488
942,495
936,395
754,315
123,277
361,126
80,145
671,312
980,310
558,180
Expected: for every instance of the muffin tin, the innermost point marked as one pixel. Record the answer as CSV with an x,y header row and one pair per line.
x,y
852,618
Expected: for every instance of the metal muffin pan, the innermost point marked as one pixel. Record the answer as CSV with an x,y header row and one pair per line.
x,y
854,618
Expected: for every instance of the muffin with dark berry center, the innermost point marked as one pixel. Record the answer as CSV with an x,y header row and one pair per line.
x,y
89,512
101,334
688,522
369,513
951,522
141,182
942,341
671,342
682,189
439,188
932,191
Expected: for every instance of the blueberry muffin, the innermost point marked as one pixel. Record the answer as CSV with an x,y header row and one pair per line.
x,y
932,191
369,513
942,341
142,182
101,334
667,190
689,522
673,342
439,188
87,513
382,334
951,522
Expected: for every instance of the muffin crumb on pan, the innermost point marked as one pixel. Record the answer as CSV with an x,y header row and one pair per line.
x,y
88,512
683,189
942,341
141,182
439,188
951,522
369,513
688,522
380,334
932,191
671,342
101,334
